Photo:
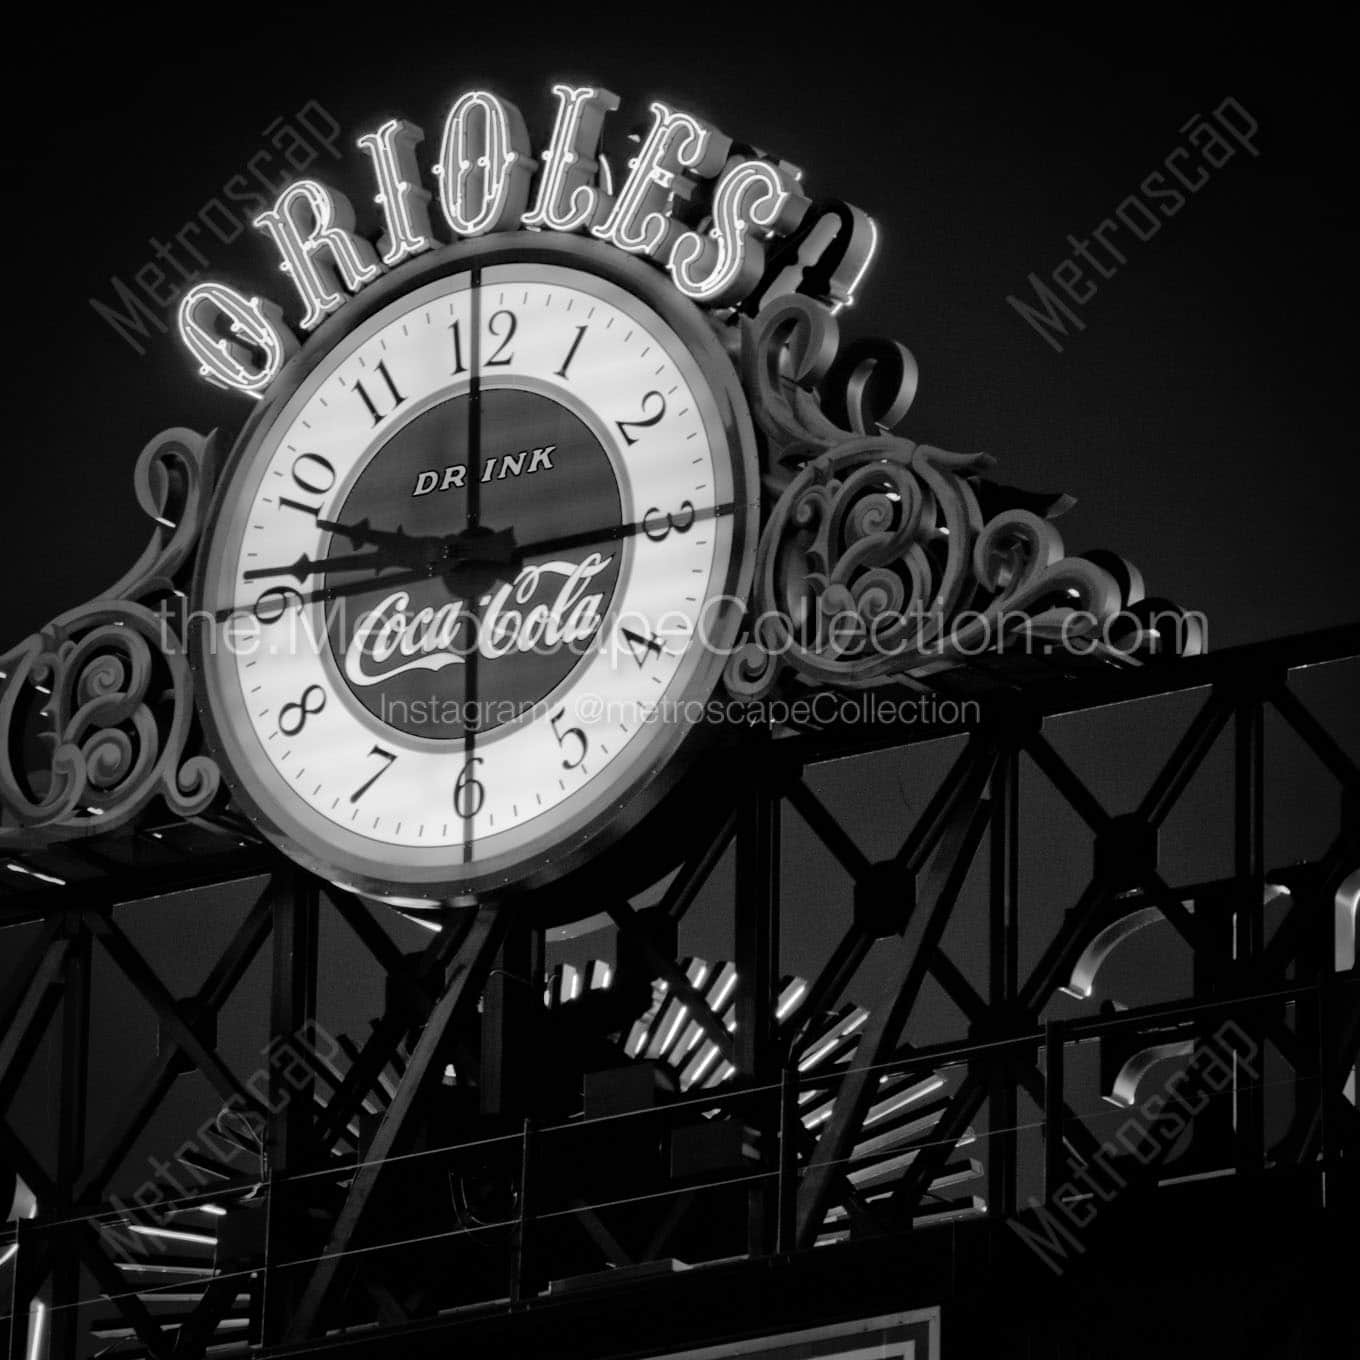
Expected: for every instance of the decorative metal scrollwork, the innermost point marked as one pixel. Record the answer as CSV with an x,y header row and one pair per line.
x,y
97,709
884,560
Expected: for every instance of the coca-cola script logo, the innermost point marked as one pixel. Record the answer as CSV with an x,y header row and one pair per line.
x,y
405,650
546,608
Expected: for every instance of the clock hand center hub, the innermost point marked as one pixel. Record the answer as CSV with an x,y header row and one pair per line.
x,y
478,554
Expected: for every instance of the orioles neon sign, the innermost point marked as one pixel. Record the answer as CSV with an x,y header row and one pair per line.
x,y
730,226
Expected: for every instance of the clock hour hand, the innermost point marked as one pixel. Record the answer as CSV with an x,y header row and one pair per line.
x,y
474,546
416,547
396,548
314,566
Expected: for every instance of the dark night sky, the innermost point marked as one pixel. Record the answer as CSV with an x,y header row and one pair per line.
x,y
1198,418
1202,418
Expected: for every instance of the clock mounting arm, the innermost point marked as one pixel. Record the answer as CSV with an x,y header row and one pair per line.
x,y
97,718
884,561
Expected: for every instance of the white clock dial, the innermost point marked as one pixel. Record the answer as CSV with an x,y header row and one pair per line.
x,y
472,578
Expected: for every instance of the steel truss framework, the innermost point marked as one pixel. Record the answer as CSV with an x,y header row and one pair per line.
x,y
1293,992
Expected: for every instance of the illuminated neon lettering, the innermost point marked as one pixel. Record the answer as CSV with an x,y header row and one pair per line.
x,y
258,327
484,165
817,270
329,226
751,234
859,255
567,197
641,221
753,199
402,200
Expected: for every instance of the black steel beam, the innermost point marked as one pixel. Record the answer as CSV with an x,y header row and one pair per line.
x,y
382,1044
21,976
1003,973
957,987
1097,689
71,1118
28,1026
695,872
633,924
180,1026
115,1288
842,965
888,1017
1249,903
155,1083
1185,759
469,971
379,943
101,894
757,930
1319,740
289,1126
828,830
756,927
197,1329
292,1012
30,1267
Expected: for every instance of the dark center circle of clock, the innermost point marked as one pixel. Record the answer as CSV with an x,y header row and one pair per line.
x,y
495,627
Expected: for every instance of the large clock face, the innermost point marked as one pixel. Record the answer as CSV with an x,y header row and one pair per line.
x,y
474,571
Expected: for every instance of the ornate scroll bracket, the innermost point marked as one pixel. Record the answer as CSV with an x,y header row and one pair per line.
x,y
97,709
887,561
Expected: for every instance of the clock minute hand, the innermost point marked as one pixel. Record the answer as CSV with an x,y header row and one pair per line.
x,y
486,549
430,555
441,557
328,593
586,538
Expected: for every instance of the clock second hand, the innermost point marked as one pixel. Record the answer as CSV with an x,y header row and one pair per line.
x,y
474,426
468,781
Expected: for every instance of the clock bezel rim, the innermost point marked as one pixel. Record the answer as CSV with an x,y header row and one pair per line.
x,y
669,756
